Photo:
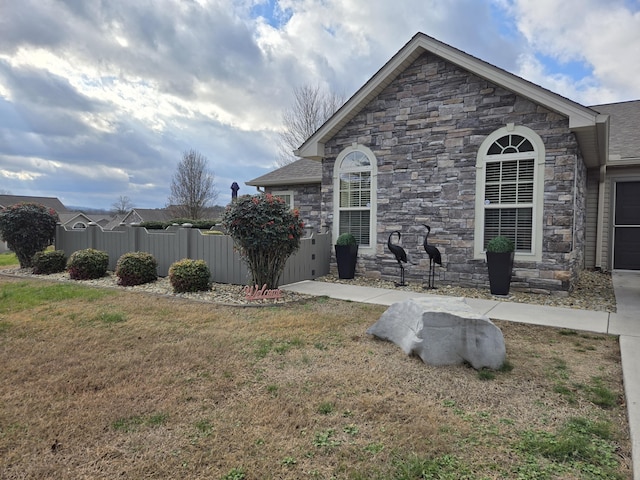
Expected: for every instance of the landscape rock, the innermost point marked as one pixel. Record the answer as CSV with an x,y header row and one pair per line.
x,y
442,331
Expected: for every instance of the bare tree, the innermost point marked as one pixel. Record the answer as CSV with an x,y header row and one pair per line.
x,y
311,107
192,187
122,205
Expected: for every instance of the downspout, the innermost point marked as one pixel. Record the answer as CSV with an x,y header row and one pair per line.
x,y
603,126
600,216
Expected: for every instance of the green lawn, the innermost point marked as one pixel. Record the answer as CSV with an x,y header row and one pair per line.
x,y
8,259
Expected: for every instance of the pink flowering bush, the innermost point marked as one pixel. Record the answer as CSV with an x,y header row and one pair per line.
x,y
266,232
27,228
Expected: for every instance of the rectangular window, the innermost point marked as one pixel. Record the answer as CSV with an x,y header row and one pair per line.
x,y
286,196
355,205
357,223
508,202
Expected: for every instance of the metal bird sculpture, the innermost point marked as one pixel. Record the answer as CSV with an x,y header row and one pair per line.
x,y
434,257
400,254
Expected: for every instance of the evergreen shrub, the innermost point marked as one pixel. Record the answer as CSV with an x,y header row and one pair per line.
x,y
27,228
346,239
136,268
88,264
48,262
500,244
189,275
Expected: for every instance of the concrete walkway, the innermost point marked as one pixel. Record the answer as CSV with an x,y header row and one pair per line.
x,y
625,323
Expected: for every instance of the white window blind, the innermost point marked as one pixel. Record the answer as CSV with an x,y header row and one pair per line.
x,y
509,191
354,185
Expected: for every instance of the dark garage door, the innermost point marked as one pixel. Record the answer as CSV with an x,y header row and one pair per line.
x,y
626,231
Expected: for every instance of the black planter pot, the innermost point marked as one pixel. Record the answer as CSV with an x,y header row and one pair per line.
x,y
346,258
500,266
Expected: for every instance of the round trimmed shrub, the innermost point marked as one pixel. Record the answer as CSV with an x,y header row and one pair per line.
x,y
189,275
88,264
136,268
48,262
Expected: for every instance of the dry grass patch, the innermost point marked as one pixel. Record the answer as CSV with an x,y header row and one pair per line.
x,y
128,385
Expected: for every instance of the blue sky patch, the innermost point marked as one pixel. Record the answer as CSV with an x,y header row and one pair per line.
x,y
574,69
272,13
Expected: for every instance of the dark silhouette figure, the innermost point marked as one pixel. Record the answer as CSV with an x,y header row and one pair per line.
x,y
234,191
434,257
400,254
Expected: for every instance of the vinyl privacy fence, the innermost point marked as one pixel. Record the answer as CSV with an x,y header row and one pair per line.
x,y
175,243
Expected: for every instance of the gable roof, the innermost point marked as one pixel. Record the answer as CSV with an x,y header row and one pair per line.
x,y
590,127
624,142
137,215
51,202
71,218
302,171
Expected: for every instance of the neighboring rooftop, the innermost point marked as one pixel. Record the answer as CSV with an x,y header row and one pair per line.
x,y
624,140
51,202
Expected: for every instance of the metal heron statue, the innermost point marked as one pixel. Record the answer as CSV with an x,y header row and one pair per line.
x,y
434,257
400,254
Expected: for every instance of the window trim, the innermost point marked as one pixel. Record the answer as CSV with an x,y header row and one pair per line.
x,y
373,168
279,193
538,189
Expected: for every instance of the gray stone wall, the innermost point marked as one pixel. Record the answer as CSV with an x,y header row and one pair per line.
x,y
425,129
306,198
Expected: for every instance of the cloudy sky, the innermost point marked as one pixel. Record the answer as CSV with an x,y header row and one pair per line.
x,y
100,98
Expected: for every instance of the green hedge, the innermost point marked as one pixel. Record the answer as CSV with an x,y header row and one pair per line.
x,y
199,224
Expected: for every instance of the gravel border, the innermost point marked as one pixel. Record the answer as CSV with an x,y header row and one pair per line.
x,y
593,291
220,293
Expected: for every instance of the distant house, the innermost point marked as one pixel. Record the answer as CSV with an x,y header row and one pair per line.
x,y
139,215
440,137
75,220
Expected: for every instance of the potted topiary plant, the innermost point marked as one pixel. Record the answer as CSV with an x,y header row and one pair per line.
x,y
346,255
500,253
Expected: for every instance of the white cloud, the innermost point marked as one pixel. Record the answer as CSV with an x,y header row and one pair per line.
x,y
21,175
604,34
110,94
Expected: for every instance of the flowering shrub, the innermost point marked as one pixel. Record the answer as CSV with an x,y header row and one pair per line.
x,y
266,232
136,268
27,228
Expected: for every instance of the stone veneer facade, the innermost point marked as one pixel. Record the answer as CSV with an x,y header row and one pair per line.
x,y
425,130
306,198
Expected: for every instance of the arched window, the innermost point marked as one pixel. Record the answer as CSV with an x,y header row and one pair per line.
x,y
509,190
355,195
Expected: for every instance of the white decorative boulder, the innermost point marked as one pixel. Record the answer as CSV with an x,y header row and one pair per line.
x,y
442,331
